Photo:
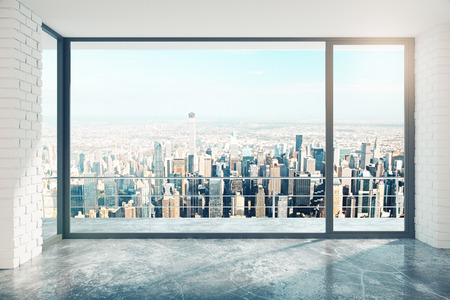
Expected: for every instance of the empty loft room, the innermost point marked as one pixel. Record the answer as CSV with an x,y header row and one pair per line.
x,y
225,149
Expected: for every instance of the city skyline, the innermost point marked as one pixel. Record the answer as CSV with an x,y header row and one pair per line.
x,y
229,160
231,114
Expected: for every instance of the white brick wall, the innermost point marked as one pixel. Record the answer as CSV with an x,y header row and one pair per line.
x,y
433,136
20,151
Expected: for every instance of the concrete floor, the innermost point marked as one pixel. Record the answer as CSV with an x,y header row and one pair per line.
x,y
232,269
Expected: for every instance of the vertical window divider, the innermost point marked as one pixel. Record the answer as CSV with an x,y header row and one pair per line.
x,y
329,137
64,138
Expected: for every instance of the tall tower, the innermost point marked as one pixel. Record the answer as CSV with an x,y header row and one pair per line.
x,y
376,149
111,191
90,195
298,142
158,170
215,198
366,155
298,149
192,133
260,209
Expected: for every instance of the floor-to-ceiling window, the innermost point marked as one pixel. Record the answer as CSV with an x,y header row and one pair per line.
x,y
369,149
200,136
225,138
49,136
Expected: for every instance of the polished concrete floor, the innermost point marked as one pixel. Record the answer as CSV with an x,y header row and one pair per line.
x,y
232,269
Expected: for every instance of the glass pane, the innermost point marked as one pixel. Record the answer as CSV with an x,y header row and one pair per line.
x,y
204,137
49,149
369,153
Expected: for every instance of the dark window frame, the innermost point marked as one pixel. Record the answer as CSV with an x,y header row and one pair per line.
x,y
64,73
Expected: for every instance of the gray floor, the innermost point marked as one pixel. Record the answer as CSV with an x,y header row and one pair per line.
x,y
232,269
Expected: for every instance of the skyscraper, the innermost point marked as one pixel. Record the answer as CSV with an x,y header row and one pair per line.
x,y
237,202
376,149
274,184
365,155
309,165
90,195
111,191
282,207
158,170
192,133
302,189
260,203
215,198
337,197
319,157
298,150
298,142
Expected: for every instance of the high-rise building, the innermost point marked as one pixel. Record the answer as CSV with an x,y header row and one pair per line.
x,y
207,166
366,155
388,162
337,156
300,156
302,189
298,142
318,154
90,194
238,205
346,180
337,197
81,163
261,159
175,205
111,191
364,191
354,161
179,166
168,149
282,207
376,149
191,163
192,133
253,170
76,200
275,184
309,165
379,200
260,202
234,147
158,170
215,198
247,161
129,209
170,202
168,166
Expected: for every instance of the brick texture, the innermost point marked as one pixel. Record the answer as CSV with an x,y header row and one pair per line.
x,y
432,115
20,148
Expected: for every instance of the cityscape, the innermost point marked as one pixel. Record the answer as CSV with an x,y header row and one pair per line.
x,y
203,169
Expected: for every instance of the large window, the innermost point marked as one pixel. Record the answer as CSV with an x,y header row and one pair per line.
x,y
369,152
227,138
284,137
49,137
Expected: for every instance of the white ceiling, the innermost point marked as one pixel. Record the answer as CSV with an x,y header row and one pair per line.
x,y
241,18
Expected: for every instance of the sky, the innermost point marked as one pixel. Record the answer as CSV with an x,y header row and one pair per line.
x,y
245,85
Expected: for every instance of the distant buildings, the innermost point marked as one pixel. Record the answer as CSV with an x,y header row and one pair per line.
x,y
181,178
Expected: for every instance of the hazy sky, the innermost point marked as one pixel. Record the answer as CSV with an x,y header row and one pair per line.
x,y
228,84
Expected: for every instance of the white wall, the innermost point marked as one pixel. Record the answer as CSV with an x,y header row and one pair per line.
x,y
20,134
433,136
